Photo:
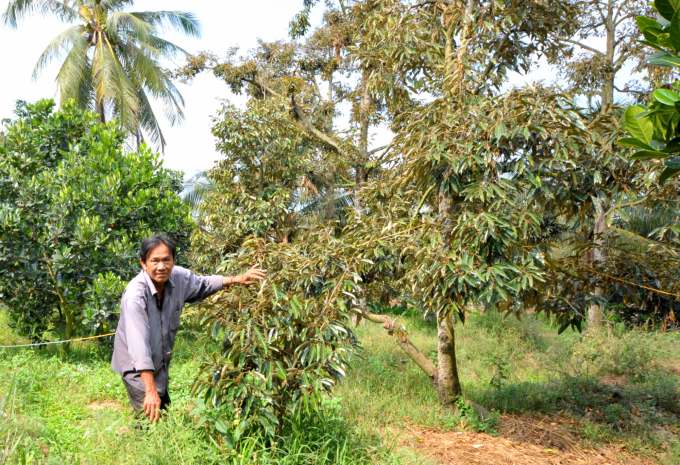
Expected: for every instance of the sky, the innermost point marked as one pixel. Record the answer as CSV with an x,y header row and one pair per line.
x,y
226,23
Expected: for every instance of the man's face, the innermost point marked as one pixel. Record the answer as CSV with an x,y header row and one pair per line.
x,y
159,263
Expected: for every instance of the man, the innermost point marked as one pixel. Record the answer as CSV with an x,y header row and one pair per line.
x,y
150,311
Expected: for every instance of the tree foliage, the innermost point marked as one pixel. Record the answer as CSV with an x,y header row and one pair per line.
x,y
654,128
73,210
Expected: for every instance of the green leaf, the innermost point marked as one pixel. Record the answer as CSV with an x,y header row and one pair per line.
x,y
563,328
633,142
666,174
221,427
641,128
651,44
667,97
500,130
644,22
675,32
673,163
648,155
664,59
667,8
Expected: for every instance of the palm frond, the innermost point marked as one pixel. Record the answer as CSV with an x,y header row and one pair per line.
x,y
120,23
196,189
63,43
18,9
148,122
179,21
113,85
74,80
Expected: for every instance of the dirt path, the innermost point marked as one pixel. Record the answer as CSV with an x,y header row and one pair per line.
x,y
521,441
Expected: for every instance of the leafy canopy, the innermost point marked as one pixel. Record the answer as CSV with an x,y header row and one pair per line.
x,y
73,210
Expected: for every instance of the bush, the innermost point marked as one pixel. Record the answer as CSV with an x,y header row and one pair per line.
x,y
284,345
73,209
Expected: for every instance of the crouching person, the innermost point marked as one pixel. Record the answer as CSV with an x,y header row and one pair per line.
x,y
150,312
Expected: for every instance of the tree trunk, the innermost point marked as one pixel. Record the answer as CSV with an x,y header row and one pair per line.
x,y
365,108
138,136
448,383
100,109
361,172
330,197
64,305
595,311
608,87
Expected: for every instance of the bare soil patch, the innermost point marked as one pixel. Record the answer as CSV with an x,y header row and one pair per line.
x,y
104,405
521,441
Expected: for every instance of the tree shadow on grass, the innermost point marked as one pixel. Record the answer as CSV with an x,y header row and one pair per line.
x,y
599,410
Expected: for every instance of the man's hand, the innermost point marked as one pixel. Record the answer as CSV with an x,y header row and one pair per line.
x,y
152,402
251,276
152,405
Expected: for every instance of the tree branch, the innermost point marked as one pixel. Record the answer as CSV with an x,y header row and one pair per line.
x,y
316,88
402,340
307,124
582,45
428,2
377,150
302,117
631,91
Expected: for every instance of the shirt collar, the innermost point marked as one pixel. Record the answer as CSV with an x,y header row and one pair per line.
x,y
149,283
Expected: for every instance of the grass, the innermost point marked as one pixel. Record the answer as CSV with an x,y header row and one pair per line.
x,y
524,367
70,408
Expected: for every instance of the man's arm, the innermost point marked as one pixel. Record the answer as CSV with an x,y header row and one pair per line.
x,y
137,332
251,276
199,287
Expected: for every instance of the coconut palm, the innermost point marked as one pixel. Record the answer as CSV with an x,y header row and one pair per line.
x,y
112,58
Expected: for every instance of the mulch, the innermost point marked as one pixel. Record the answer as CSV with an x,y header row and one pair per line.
x,y
520,441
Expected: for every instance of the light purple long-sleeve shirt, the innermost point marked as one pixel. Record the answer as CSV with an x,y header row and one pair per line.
x,y
145,336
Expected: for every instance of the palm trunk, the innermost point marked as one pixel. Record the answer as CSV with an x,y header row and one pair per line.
x,y
100,109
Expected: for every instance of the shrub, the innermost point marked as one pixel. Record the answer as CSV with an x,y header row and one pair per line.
x,y
73,209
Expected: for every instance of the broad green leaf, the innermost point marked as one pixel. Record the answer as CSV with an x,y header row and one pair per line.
x,y
651,44
673,163
675,32
667,173
500,130
664,59
648,154
667,8
667,97
644,23
641,128
633,142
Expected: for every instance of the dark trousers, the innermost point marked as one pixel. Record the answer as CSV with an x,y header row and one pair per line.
x,y
137,400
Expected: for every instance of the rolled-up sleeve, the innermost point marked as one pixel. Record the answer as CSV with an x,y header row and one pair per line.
x,y
198,287
137,332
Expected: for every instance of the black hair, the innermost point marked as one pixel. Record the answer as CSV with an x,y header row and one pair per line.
x,y
154,241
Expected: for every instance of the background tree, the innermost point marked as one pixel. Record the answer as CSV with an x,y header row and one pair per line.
x,y
463,157
589,68
73,210
112,59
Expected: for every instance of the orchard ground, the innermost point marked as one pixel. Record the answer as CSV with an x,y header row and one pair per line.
x,y
611,397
